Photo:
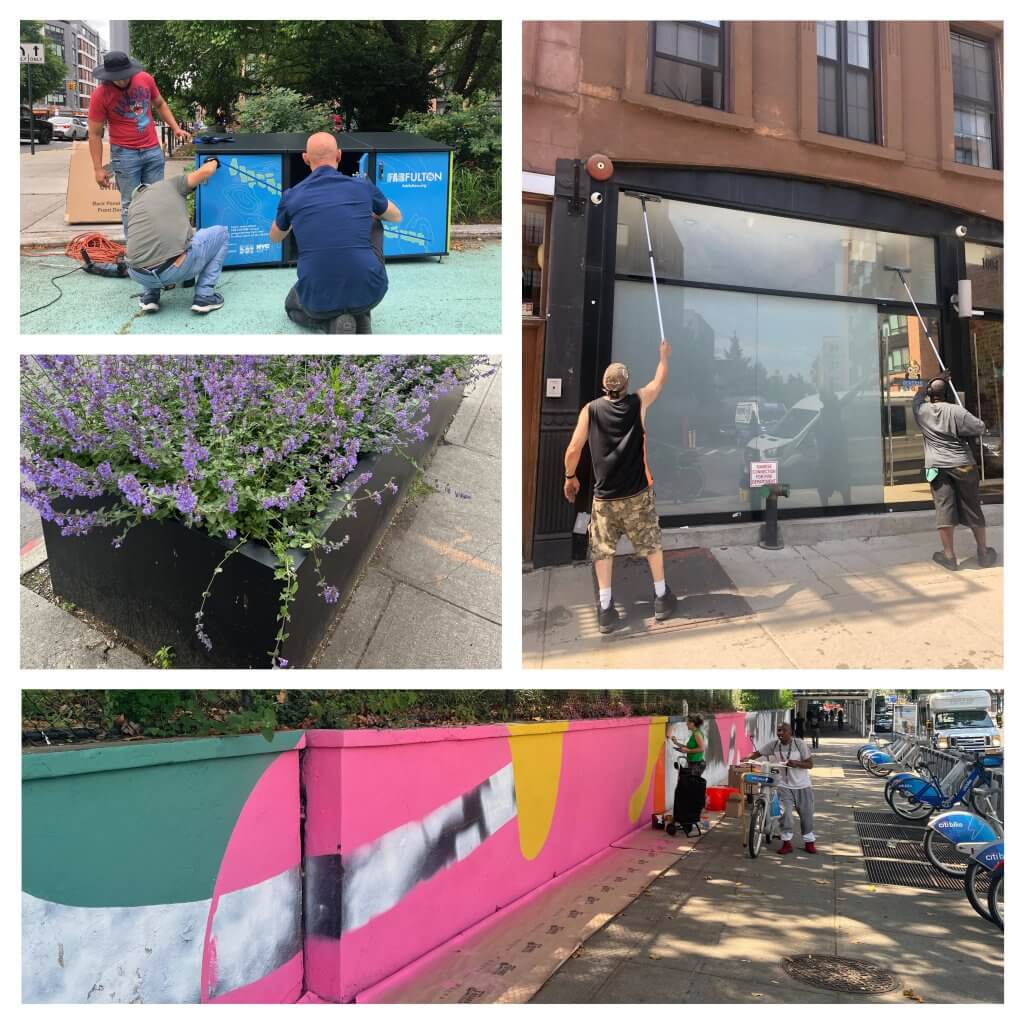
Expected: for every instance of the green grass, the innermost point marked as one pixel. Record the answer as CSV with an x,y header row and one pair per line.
x,y
476,196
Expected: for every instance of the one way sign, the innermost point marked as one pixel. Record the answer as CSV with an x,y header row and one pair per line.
x,y
33,53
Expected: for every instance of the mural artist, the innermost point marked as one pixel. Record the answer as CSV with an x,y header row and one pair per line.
x,y
694,746
126,100
795,790
615,427
337,225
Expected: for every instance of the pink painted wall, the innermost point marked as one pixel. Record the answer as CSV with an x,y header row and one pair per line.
x,y
362,786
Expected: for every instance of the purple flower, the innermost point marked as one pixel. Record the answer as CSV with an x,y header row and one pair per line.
x,y
232,534
185,501
297,491
232,503
331,595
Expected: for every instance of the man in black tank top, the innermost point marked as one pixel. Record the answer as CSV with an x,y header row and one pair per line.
x,y
614,426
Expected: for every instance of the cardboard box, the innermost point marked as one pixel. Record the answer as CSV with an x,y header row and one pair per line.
x,y
736,775
86,202
734,806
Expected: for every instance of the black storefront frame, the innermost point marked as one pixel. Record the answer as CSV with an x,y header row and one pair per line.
x,y
584,219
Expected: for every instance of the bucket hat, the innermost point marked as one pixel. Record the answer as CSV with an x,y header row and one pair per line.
x,y
117,65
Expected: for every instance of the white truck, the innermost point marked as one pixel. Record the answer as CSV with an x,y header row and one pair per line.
x,y
961,719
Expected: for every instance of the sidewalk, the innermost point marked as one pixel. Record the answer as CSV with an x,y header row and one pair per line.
x,y
714,927
879,602
431,597
461,295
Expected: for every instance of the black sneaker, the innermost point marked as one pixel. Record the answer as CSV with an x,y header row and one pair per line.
x,y
344,324
665,605
607,618
947,563
149,302
363,325
207,303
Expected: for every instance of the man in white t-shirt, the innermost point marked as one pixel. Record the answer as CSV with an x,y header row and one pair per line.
x,y
794,784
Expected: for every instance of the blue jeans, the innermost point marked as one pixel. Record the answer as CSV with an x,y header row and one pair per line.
x,y
132,168
203,259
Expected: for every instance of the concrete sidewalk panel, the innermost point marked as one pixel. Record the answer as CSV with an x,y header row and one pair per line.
x,y
52,638
355,629
445,637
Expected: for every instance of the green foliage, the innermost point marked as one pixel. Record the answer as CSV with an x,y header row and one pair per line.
x,y
476,196
472,127
764,700
46,78
164,657
368,71
284,110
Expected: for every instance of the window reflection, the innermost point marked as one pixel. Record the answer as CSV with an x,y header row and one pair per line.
x,y
754,378
715,245
985,271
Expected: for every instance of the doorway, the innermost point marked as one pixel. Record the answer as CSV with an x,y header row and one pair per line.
x,y
987,367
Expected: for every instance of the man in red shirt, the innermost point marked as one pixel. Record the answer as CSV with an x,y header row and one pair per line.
x,y
126,100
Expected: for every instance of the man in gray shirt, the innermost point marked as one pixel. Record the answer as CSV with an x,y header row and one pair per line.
x,y
164,249
950,468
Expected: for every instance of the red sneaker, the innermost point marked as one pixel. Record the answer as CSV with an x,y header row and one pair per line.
x,y
786,847
810,848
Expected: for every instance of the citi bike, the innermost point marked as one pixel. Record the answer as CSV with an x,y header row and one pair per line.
x,y
765,807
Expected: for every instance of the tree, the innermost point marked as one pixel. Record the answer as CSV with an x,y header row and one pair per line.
x,y
282,110
46,78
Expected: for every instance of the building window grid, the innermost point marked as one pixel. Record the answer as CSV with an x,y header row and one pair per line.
x,y
846,79
974,106
688,62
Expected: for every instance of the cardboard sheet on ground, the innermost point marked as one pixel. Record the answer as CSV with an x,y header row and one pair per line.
x,y
86,202
509,957
705,591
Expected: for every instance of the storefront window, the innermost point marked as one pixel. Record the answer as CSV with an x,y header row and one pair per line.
x,y
756,378
985,272
534,237
717,245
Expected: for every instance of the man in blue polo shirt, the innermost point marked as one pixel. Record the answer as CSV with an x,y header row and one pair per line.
x,y
336,220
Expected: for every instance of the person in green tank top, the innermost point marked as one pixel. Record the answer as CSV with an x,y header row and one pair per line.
x,y
694,746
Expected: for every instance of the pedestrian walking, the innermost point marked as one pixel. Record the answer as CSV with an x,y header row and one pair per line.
x,y
839,718
126,101
695,747
798,726
615,428
794,785
950,469
814,725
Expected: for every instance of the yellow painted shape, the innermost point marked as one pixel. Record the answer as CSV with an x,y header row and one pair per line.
x,y
537,769
655,744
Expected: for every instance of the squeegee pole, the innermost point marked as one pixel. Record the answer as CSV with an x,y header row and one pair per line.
x,y
654,276
924,327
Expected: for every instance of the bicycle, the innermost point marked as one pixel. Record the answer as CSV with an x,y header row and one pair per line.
x,y
951,830
914,798
985,860
766,808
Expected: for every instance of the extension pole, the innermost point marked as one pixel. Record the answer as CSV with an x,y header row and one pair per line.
x,y
924,327
654,276
31,116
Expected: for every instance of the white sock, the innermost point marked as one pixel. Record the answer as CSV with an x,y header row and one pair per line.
x,y
606,598
659,588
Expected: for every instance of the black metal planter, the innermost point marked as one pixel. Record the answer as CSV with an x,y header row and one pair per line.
x,y
150,589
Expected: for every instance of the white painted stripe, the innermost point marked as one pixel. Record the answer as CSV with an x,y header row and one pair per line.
x,y
256,930
378,875
149,954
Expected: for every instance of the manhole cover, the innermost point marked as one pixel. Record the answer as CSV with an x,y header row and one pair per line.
x,y
839,973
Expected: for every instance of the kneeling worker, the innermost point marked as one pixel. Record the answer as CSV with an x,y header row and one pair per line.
x,y
336,220
163,247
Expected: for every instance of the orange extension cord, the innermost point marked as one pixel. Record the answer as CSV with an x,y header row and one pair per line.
x,y
101,249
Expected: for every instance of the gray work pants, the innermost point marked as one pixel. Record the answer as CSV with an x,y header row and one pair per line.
x,y
802,800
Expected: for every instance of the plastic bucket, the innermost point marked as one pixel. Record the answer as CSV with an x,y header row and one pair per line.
x,y
717,797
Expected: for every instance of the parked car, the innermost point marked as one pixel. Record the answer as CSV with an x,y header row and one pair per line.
x,y
883,723
69,128
35,127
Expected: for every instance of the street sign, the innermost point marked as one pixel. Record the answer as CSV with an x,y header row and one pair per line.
x,y
33,53
764,473
891,699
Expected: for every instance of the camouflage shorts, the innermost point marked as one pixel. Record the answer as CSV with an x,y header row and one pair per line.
x,y
635,516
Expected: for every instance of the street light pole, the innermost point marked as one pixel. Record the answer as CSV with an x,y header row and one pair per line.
x,y
31,116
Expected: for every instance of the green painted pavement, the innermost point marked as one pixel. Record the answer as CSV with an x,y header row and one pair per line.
x,y
104,836
462,295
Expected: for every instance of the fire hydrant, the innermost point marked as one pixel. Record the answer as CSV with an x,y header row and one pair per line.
x,y
771,533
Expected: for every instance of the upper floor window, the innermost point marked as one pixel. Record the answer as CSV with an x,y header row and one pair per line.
x,y
688,62
846,79
974,104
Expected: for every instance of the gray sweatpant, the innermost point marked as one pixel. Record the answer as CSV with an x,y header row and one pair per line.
x,y
803,801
